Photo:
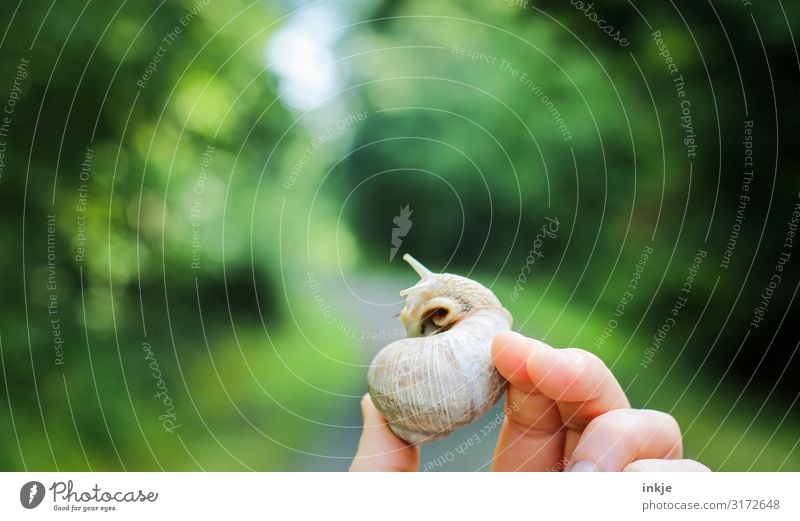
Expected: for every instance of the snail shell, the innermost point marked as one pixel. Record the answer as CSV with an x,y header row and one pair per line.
x,y
442,376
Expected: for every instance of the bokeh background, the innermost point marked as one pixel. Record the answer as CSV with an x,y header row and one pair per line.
x,y
198,202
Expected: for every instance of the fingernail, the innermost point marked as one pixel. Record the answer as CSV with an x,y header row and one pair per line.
x,y
582,466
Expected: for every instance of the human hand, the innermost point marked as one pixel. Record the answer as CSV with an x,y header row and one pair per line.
x,y
565,411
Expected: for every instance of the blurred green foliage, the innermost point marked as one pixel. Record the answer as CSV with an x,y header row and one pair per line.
x,y
242,188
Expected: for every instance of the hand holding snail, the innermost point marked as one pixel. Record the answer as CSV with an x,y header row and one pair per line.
x,y
566,411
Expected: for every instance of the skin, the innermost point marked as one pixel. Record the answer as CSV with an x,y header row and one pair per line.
x,y
565,411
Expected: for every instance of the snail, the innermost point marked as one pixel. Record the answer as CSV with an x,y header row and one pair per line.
x,y
441,377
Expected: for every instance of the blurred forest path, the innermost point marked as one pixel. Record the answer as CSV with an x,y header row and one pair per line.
x,y
362,322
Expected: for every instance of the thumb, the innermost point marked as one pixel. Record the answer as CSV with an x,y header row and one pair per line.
x,y
379,449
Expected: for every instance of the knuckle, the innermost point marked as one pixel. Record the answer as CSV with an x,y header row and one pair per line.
x,y
616,423
664,420
590,358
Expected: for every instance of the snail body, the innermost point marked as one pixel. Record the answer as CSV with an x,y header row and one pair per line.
x,y
441,377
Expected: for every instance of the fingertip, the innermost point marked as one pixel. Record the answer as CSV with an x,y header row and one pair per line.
x,y
373,419
366,405
504,340
379,449
510,353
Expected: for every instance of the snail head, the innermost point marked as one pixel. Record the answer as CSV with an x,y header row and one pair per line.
x,y
439,300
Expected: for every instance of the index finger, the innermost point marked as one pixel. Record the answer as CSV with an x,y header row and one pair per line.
x,y
549,389
578,381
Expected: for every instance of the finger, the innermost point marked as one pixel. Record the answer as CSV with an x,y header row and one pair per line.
x,y
510,353
379,449
577,380
550,388
666,465
617,438
522,445
530,438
